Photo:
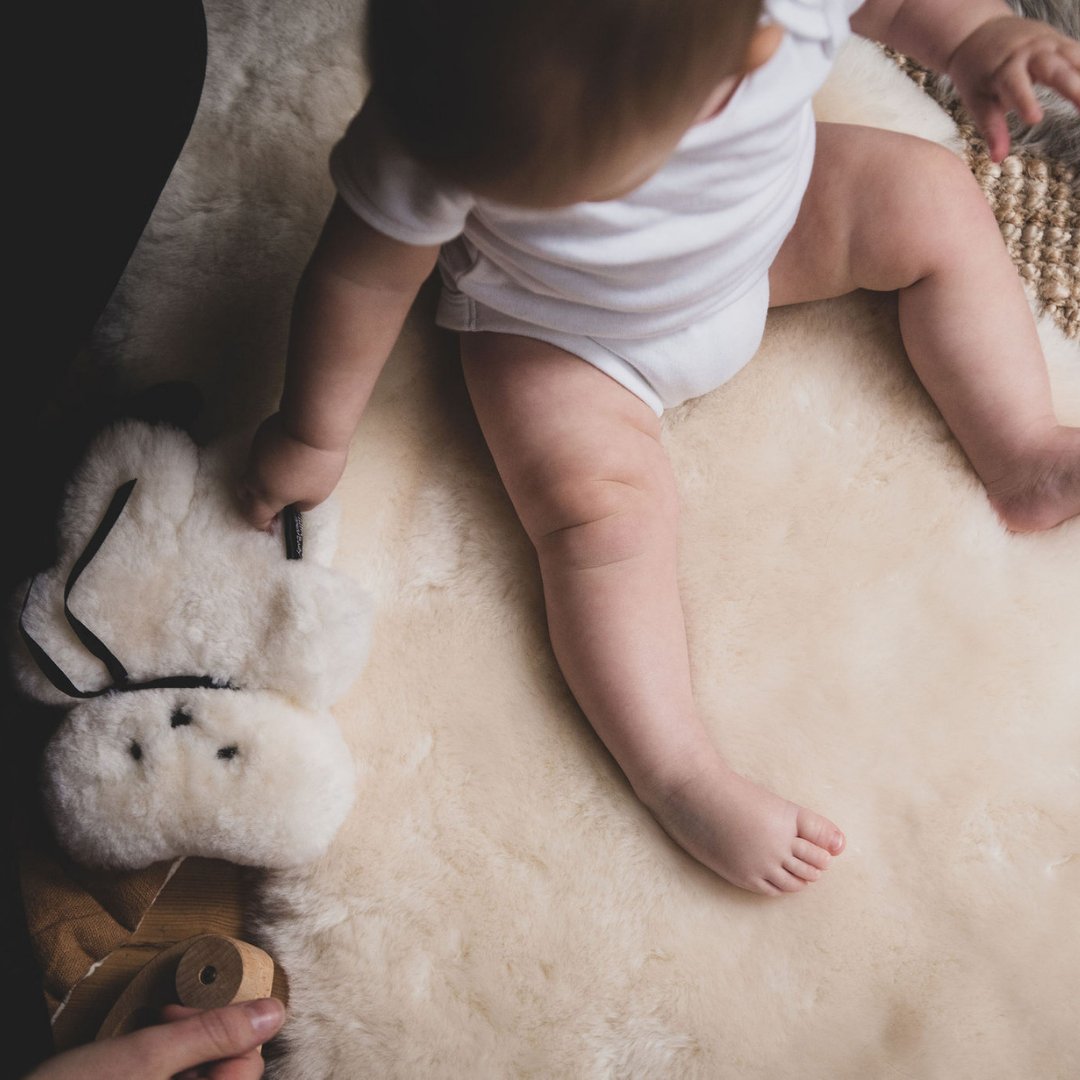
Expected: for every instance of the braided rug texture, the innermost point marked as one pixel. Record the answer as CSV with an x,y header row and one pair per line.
x,y
1036,199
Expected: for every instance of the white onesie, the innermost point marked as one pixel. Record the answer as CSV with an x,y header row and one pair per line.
x,y
665,289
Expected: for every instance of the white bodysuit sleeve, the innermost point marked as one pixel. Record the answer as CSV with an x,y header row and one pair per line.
x,y
827,21
389,189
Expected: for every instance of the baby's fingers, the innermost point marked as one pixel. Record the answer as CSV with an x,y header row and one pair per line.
x,y
1016,92
257,507
1060,71
990,119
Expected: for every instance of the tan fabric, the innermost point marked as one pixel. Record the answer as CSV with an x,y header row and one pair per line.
x,y
76,917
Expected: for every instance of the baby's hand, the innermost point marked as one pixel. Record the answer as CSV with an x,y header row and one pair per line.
x,y
282,470
994,68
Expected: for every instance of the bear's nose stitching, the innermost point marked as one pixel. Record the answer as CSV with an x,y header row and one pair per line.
x,y
135,750
227,753
180,718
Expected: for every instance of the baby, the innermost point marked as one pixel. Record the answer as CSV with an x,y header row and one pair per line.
x,y
615,192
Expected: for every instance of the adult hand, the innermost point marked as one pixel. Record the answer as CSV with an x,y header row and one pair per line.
x,y
222,1044
996,66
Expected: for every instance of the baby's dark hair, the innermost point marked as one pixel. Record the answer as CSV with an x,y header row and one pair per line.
x,y
486,91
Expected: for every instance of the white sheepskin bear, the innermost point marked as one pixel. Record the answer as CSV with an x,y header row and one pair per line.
x,y
201,663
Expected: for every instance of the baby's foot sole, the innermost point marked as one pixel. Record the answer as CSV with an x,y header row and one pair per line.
x,y
1043,490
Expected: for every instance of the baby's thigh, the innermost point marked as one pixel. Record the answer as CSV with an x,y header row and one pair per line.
x,y
880,210
570,442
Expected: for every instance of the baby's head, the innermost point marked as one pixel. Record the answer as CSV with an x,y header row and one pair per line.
x,y
549,102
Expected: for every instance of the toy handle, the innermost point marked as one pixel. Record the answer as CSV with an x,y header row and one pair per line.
x,y
205,972
292,529
217,971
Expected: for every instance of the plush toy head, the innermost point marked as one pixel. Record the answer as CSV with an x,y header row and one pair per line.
x,y
200,661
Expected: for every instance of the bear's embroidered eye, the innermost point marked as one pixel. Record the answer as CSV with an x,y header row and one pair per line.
x,y
180,718
227,753
135,750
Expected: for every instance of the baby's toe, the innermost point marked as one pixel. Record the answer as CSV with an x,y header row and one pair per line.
x,y
819,830
810,853
785,881
802,869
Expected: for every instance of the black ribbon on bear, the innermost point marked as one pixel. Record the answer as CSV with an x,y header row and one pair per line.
x,y
121,680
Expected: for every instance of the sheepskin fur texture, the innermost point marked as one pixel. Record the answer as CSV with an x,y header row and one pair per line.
x,y
255,772
866,638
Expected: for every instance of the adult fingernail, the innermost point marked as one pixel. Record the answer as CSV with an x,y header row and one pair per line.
x,y
265,1015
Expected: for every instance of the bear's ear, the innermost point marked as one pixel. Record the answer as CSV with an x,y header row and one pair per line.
x,y
315,646
32,607
164,462
117,538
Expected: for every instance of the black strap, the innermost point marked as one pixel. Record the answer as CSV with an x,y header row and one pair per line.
x,y
90,640
292,528
49,668
93,644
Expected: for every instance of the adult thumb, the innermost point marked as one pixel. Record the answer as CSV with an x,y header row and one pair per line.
x,y
166,1049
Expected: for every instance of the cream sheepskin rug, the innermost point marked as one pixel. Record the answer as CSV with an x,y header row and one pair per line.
x,y
866,639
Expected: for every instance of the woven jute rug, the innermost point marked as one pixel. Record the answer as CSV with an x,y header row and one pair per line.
x,y
1037,203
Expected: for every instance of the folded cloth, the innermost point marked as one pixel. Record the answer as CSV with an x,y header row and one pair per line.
x,y
75,917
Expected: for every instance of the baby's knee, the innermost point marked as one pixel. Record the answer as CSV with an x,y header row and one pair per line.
x,y
944,192
928,210
604,511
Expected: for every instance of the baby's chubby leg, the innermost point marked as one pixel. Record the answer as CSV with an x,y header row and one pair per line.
x,y
581,459
886,211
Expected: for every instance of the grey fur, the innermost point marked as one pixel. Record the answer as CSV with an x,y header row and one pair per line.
x,y
1057,135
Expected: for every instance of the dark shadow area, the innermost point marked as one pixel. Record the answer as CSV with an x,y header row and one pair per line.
x,y
112,89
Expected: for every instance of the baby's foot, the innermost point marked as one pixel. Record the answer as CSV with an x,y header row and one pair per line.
x,y
748,835
1041,489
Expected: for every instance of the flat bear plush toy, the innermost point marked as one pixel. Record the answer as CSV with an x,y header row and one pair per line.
x,y
200,662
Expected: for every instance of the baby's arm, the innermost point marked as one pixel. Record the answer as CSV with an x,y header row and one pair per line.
x,y
991,54
351,302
